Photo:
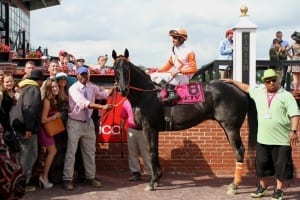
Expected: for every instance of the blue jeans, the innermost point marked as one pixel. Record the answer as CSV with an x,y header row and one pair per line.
x,y
28,155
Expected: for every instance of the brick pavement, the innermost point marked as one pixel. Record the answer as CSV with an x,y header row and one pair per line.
x,y
176,187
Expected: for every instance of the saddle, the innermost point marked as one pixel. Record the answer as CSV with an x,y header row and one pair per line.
x,y
190,93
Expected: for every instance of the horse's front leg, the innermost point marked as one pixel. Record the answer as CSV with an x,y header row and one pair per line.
x,y
155,166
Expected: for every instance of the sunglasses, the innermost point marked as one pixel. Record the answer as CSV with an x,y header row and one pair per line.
x,y
271,80
176,37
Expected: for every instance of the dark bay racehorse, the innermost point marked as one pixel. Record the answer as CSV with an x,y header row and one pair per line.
x,y
223,102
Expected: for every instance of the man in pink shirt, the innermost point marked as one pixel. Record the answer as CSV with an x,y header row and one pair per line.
x,y
82,95
137,144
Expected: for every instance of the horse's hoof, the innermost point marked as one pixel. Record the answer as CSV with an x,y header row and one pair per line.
x,y
156,184
149,188
232,189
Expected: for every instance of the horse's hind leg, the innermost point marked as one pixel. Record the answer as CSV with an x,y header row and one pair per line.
x,y
234,138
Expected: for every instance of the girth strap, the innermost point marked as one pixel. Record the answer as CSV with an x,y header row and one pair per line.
x,y
167,111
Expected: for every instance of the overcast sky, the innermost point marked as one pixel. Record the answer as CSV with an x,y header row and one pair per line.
x,y
89,28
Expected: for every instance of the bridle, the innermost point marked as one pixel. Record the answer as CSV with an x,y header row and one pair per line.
x,y
129,78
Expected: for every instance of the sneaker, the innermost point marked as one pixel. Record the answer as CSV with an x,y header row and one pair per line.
x,y
30,188
277,195
68,185
136,176
95,183
260,192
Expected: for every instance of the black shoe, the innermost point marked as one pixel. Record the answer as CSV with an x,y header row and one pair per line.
x,y
135,177
95,182
277,195
260,192
68,185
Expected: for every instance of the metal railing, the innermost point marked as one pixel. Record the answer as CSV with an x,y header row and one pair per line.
x,y
210,71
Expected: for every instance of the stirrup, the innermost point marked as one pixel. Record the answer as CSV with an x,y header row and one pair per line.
x,y
171,98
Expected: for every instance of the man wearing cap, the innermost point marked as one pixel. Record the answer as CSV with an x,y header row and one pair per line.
x,y
80,61
278,116
180,67
226,53
82,95
285,78
31,108
61,54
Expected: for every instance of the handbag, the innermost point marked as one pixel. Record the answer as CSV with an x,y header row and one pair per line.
x,y
54,127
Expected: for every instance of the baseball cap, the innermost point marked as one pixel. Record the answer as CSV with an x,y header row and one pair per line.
x,y
82,69
62,52
81,59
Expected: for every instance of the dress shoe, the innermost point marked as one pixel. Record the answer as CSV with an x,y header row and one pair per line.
x,y
68,185
136,176
95,183
30,188
44,184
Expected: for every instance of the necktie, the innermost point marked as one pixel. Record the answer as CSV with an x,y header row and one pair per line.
x,y
86,110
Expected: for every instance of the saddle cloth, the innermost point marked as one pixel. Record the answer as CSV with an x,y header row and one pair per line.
x,y
190,93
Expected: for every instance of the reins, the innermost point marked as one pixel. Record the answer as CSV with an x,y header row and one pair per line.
x,y
143,90
136,88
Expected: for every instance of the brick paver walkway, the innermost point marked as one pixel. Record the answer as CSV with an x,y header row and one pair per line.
x,y
172,187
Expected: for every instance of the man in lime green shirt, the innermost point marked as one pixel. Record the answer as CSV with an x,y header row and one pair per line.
x,y
278,115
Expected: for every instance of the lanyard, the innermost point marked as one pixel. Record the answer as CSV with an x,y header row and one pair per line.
x,y
270,98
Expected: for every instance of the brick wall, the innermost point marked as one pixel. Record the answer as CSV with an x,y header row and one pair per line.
x,y
201,150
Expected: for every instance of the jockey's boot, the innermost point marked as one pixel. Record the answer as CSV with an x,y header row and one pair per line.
x,y
163,83
172,95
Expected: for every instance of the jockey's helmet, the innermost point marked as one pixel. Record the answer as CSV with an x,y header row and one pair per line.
x,y
180,32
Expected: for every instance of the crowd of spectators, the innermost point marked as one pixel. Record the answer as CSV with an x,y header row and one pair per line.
x,y
68,63
33,100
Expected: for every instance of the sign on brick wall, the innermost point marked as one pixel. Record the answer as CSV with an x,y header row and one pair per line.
x,y
109,129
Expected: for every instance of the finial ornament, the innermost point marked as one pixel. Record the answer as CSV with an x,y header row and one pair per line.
x,y
244,10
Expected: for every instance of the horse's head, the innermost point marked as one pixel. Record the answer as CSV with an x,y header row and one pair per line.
x,y
122,71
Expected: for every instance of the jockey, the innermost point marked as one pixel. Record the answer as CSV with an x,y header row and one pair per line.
x,y
180,67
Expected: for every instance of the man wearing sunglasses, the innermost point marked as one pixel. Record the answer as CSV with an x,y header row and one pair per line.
x,y
278,115
180,67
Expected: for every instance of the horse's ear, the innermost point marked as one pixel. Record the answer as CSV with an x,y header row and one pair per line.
x,y
114,54
126,53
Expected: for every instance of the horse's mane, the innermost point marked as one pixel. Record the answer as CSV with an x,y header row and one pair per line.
x,y
141,72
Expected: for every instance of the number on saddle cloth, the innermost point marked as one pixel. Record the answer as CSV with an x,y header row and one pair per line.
x,y
190,93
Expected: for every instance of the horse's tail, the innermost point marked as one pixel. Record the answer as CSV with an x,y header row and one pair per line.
x,y
252,123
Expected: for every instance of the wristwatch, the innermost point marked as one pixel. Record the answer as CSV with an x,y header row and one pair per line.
x,y
294,131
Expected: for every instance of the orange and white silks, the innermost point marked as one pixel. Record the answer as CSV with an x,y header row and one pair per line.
x,y
182,59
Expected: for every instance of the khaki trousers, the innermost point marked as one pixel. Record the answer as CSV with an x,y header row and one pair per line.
x,y
137,145
84,133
